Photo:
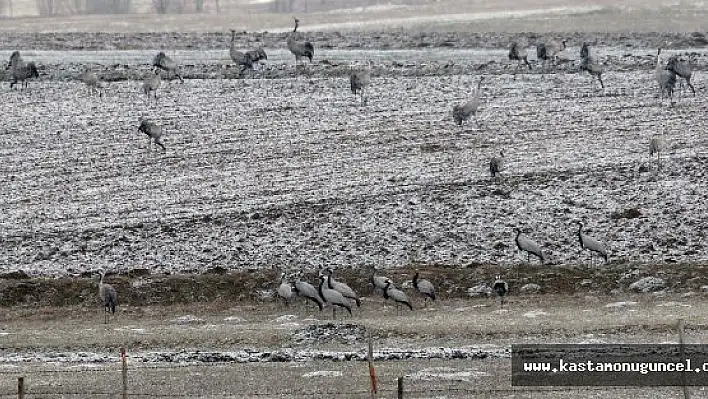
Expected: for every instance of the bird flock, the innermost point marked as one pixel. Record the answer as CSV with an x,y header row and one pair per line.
x,y
338,295
328,290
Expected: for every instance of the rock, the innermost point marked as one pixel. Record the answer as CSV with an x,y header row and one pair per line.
x,y
586,283
648,284
530,288
479,290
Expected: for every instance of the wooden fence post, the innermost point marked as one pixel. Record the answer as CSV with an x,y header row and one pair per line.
x,y
124,366
21,388
372,371
682,354
400,387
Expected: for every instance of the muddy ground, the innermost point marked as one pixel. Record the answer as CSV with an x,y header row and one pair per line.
x,y
452,348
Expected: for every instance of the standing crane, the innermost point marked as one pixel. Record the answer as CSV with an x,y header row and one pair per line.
x,y
359,80
308,291
496,164
332,296
588,63
591,244
240,58
501,288
529,246
666,79
20,70
153,131
108,296
285,290
167,64
518,53
656,146
342,288
398,296
682,70
151,83
298,48
424,287
90,79
548,51
462,112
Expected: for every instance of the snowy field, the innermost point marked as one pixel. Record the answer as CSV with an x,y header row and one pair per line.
x,y
290,170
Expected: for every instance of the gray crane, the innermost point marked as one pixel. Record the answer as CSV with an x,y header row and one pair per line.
x,y
342,288
501,288
332,296
359,80
529,246
548,51
591,244
664,78
239,57
398,296
21,71
379,282
299,48
585,50
90,79
257,55
656,146
496,164
518,53
681,69
462,112
285,290
424,287
590,65
151,83
108,296
167,64
307,291
153,131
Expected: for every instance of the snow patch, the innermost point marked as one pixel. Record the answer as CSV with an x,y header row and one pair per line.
x,y
621,304
322,373
446,374
285,318
188,319
535,313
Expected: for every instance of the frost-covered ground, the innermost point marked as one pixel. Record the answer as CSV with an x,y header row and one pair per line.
x,y
291,170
